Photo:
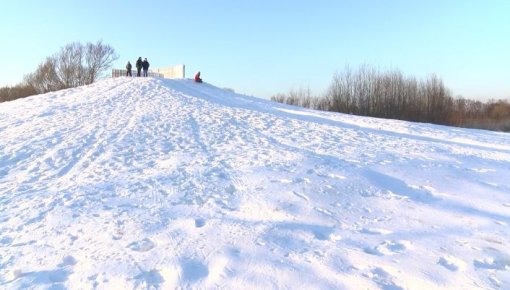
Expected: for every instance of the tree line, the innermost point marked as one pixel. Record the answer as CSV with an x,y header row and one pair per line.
x,y
76,64
390,94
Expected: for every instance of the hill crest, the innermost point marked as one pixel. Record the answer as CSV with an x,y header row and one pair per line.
x,y
150,183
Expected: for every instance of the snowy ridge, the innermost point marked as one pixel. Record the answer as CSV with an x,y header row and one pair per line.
x,y
136,183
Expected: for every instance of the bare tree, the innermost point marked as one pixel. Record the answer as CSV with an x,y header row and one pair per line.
x,y
280,98
75,65
16,92
45,78
98,58
69,65
389,94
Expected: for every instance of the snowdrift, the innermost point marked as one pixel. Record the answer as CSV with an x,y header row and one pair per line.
x,y
136,183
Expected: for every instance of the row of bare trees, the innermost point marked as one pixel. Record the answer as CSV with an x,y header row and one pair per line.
x,y
19,91
389,94
76,64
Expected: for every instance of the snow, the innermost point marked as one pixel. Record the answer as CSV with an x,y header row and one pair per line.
x,y
142,183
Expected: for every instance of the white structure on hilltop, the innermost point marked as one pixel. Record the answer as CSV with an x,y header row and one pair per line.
x,y
170,72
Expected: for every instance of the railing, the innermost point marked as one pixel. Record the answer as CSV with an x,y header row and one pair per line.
x,y
123,72
171,72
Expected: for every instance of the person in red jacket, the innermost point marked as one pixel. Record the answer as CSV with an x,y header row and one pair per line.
x,y
197,78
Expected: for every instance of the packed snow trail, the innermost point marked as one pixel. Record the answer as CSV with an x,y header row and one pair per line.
x,y
136,183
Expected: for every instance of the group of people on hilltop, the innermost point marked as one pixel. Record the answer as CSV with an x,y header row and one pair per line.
x,y
145,66
139,66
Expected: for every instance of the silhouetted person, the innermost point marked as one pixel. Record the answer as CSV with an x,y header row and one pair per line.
x,y
145,66
138,66
128,69
197,78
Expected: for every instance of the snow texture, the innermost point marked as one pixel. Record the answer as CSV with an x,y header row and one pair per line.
x,y
142,183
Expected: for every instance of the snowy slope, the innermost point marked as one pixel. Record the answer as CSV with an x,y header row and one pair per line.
x,y
149,183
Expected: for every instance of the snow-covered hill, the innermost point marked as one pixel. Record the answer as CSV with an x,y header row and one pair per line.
x,y
150,183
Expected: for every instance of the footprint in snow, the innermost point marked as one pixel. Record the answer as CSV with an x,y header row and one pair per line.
x,y
493,263
67,261
451,263
144,245
301,180
383,279
322,234
193,271
6,241
118,234
199,222
375,231
150,278
389,248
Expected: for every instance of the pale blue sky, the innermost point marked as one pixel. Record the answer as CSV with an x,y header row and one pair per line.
x,y
264,47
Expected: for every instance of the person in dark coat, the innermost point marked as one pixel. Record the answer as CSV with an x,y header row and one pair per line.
x,y
128,69
145,66
197,78
138,66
